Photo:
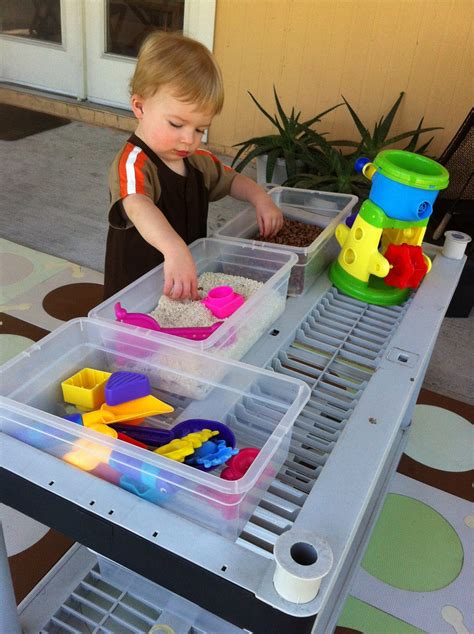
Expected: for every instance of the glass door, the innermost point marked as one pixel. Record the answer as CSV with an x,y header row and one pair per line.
x,y
116,28
41,45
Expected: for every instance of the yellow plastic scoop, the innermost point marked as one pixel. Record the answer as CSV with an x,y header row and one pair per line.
x,y
139,408
87,455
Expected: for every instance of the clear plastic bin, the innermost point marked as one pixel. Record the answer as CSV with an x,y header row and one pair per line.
x,y
323,209
242,329
259,406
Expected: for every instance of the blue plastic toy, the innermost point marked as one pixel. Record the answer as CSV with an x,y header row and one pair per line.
x,y
151,494
211,454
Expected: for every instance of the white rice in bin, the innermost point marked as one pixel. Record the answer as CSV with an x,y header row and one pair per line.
x,y
185,377
171,313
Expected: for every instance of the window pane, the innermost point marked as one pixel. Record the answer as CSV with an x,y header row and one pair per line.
x,y
130,21
34,19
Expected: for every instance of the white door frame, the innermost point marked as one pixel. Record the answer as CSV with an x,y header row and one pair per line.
x,y
57,68
79,66
108,75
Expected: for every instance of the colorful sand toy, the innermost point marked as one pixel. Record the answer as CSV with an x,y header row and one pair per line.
x,y
145,321
239,464
126,386
223,301
404,188
212,454
179,448
138,408
157,437
85,388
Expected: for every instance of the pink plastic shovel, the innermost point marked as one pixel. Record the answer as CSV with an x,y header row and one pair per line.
x,y
145,321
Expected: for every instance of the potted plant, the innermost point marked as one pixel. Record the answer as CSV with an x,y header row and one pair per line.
x,y
370,144
284,149
328,169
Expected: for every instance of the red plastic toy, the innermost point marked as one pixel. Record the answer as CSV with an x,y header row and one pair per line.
x,y
238,465
408,265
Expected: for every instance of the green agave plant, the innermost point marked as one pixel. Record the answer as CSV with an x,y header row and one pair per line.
x,y
371,144
289,142
327,169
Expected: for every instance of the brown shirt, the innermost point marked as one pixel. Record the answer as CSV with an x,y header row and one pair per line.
x,y
183,200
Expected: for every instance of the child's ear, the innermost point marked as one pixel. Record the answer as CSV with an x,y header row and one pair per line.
x,y
137,106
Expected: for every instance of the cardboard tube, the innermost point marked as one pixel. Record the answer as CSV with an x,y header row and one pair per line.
x,y
455,244
302,560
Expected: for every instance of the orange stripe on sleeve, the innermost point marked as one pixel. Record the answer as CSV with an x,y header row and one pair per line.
x,y
131,177
122,169
139,175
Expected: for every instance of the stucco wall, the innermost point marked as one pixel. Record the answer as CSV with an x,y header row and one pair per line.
x,y
368,50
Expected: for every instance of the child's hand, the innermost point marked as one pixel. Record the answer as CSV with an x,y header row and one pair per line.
x,y
269,217
180,273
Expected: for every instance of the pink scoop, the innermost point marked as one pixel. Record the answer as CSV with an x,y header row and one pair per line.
x,y
223,301
145,321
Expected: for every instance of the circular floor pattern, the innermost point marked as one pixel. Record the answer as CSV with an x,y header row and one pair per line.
x,y
20,531
73,300
14,268
441,439
11,345
413,547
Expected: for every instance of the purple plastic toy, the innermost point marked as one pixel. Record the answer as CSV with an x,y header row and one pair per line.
x,y
122,387
148,435
157,437
196,424
145,321
223,301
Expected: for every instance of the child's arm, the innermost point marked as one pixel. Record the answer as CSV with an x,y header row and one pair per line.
x,y
269,217
179,267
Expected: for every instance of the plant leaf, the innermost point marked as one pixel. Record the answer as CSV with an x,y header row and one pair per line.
x,y
405,135
251,155
412,144
271,162
266,141
264,112
319,116
342,143
363,131
281,112
422,149
386,124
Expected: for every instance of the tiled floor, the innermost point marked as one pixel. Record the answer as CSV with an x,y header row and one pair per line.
x,y
415,573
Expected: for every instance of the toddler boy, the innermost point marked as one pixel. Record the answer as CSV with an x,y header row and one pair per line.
x,y
160,182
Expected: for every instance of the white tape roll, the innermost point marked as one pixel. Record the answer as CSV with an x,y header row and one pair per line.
x,y
302,560
455,244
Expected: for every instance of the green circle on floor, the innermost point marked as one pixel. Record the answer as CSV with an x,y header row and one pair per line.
x,y
441,439
14,268
11,345
413,547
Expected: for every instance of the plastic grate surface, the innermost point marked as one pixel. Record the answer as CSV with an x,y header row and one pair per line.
x,y
99,606
336,349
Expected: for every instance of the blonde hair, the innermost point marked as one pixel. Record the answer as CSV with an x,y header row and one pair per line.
x,y
182,63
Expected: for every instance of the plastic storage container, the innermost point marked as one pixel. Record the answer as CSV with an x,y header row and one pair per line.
x,y
323,209
259,406
242,329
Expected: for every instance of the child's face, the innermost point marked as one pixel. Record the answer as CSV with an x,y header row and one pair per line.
x,y
173,129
